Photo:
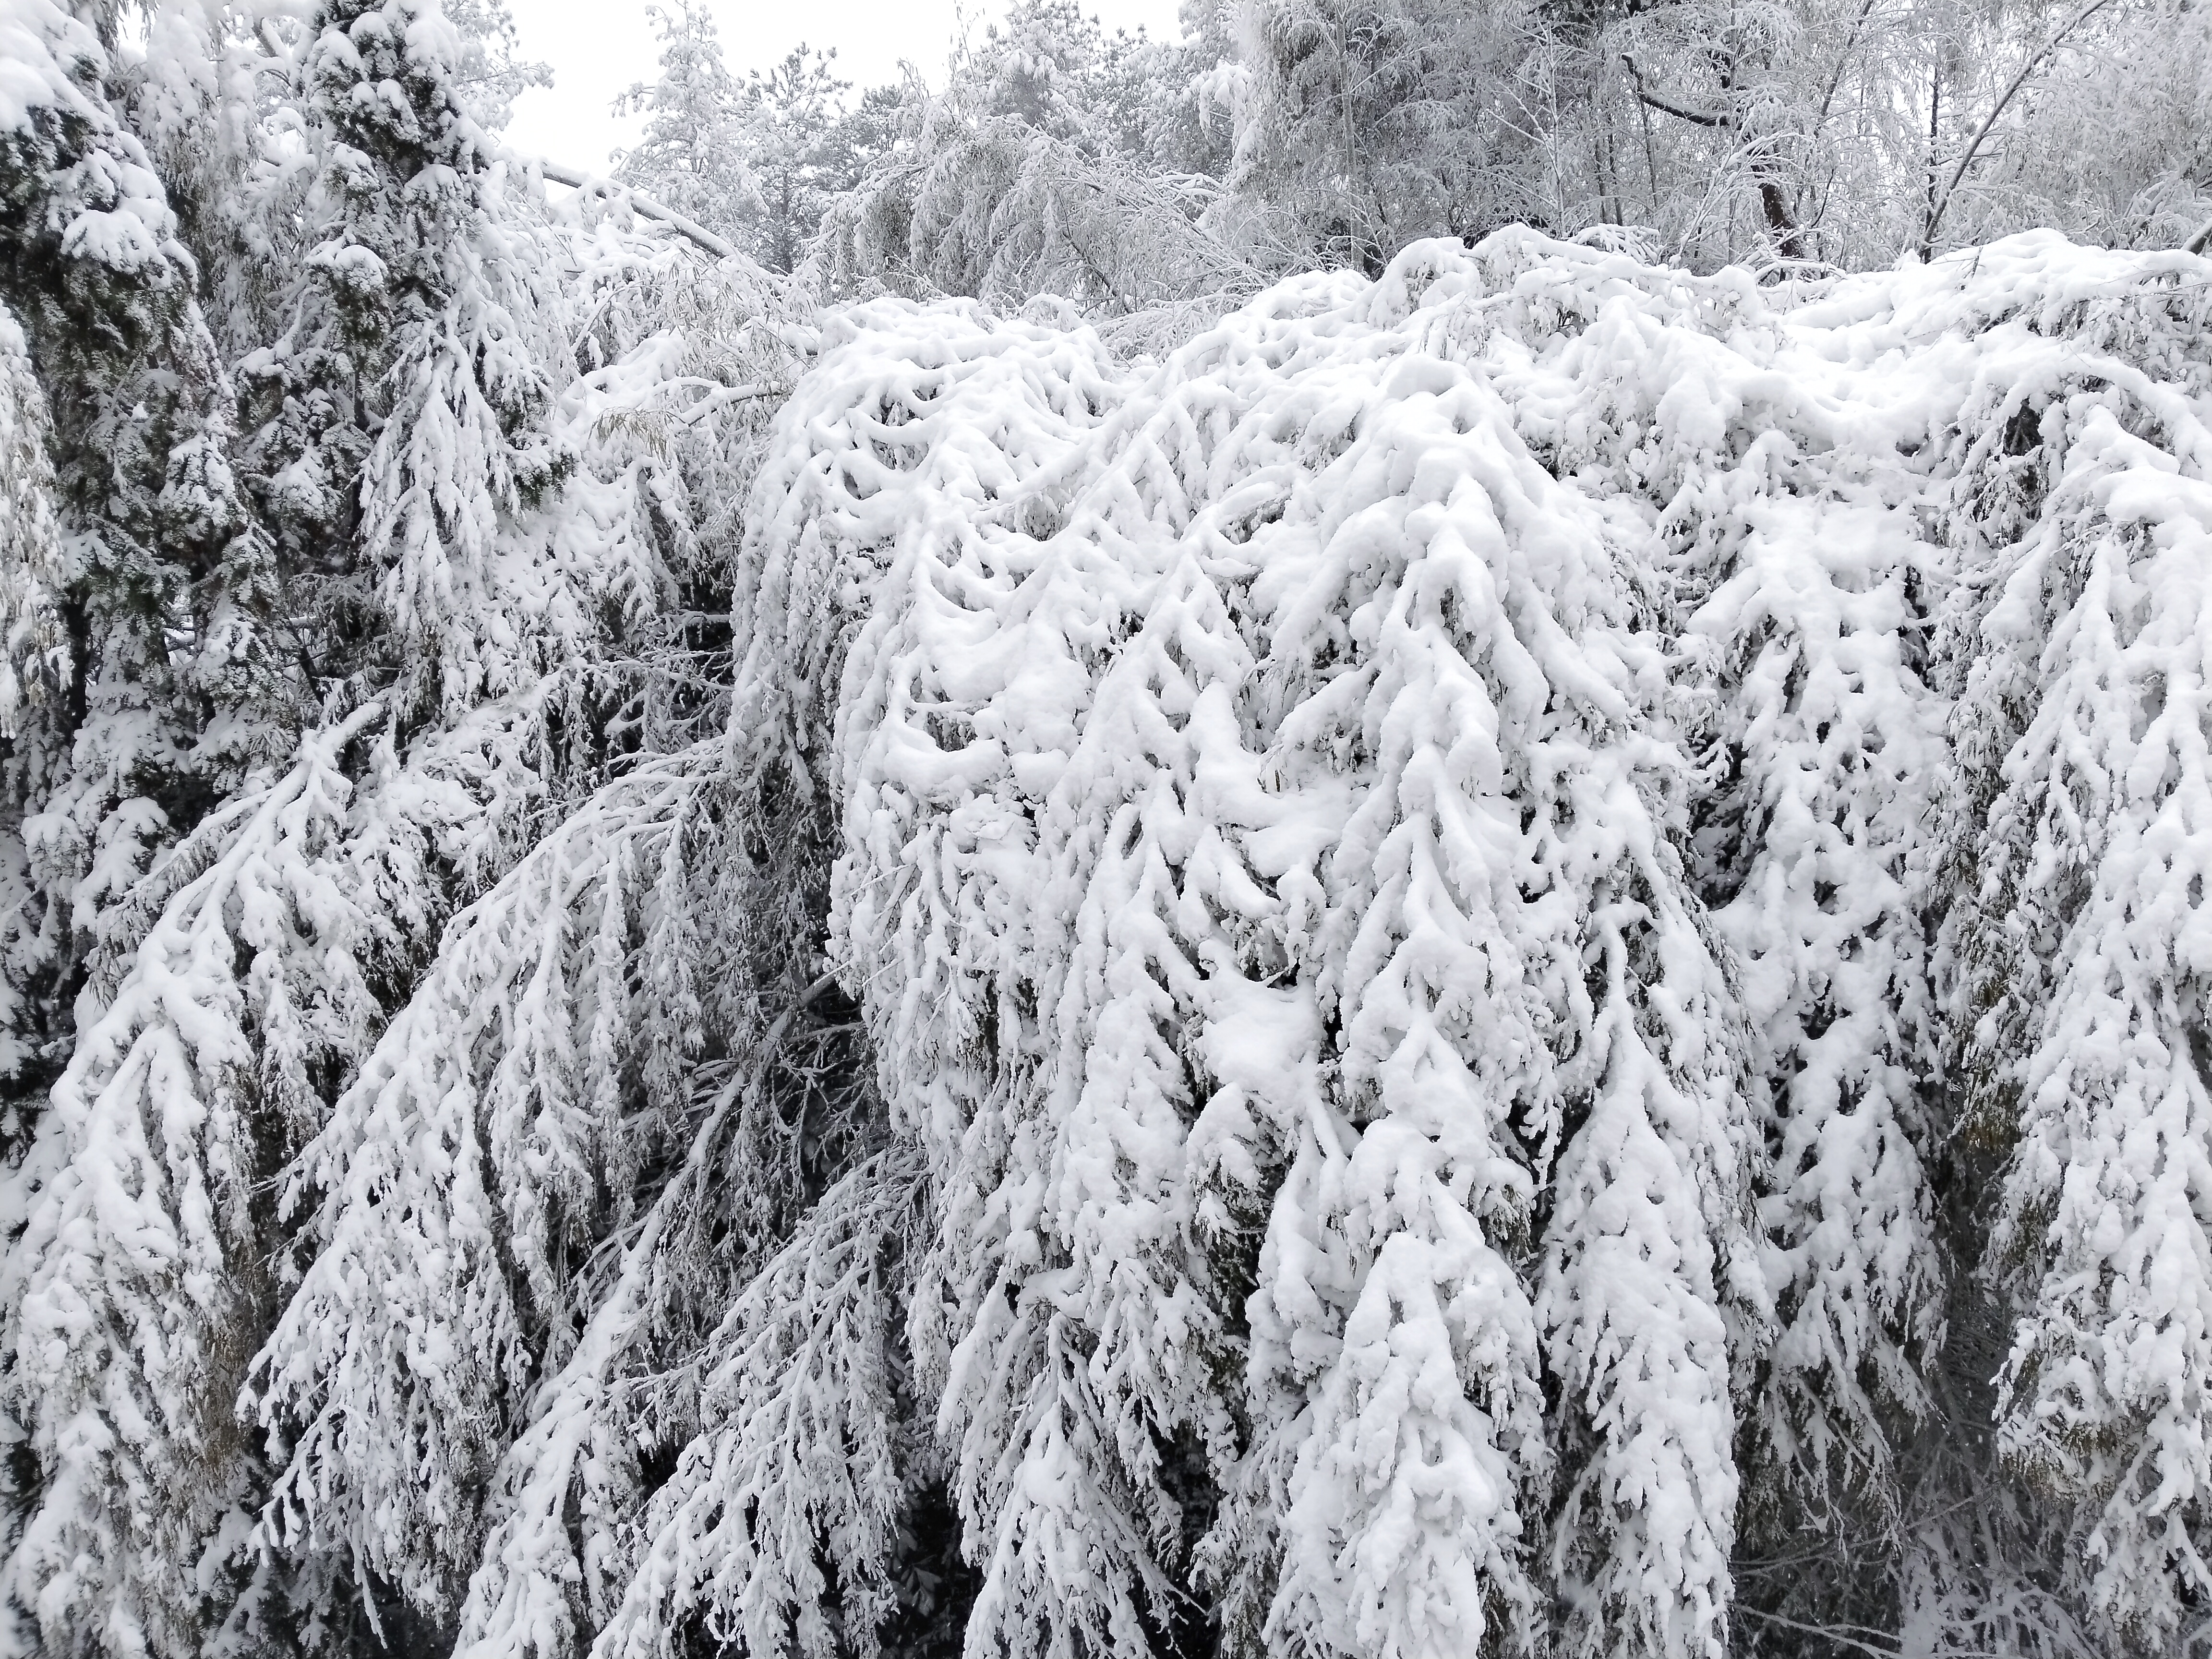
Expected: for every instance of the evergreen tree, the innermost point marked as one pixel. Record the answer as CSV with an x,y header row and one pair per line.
x,y
2071,944
162,579
401,435
693,155
427,559
797,139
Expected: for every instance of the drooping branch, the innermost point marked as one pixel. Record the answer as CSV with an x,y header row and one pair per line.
x,y
641,202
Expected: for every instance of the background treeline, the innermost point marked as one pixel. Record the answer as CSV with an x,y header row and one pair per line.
x,y
1124,174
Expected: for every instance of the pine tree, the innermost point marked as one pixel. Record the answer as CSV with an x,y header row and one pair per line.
x,y
693,155
139,736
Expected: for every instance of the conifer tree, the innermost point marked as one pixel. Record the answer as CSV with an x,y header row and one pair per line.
x,y
30,636
801,145
402,410
693,154
163,577
429,574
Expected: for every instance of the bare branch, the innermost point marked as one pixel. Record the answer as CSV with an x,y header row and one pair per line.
x,y
1668,106
1843,62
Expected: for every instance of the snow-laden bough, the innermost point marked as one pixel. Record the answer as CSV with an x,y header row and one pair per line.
x,y
1426,880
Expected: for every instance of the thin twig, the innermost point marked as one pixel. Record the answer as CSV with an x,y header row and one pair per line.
x,y
1823,1631
1834,1633
1843,62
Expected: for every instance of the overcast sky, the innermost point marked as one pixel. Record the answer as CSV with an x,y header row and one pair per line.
x,y
599,48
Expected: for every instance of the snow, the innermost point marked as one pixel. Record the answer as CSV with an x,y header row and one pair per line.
x,y
1383,859
42,50
30,552
1382,655
107,205
1333,971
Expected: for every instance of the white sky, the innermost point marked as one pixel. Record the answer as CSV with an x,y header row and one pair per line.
x,y
599,48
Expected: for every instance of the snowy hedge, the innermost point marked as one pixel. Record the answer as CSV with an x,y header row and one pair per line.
x,y
1504,959
1513,924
